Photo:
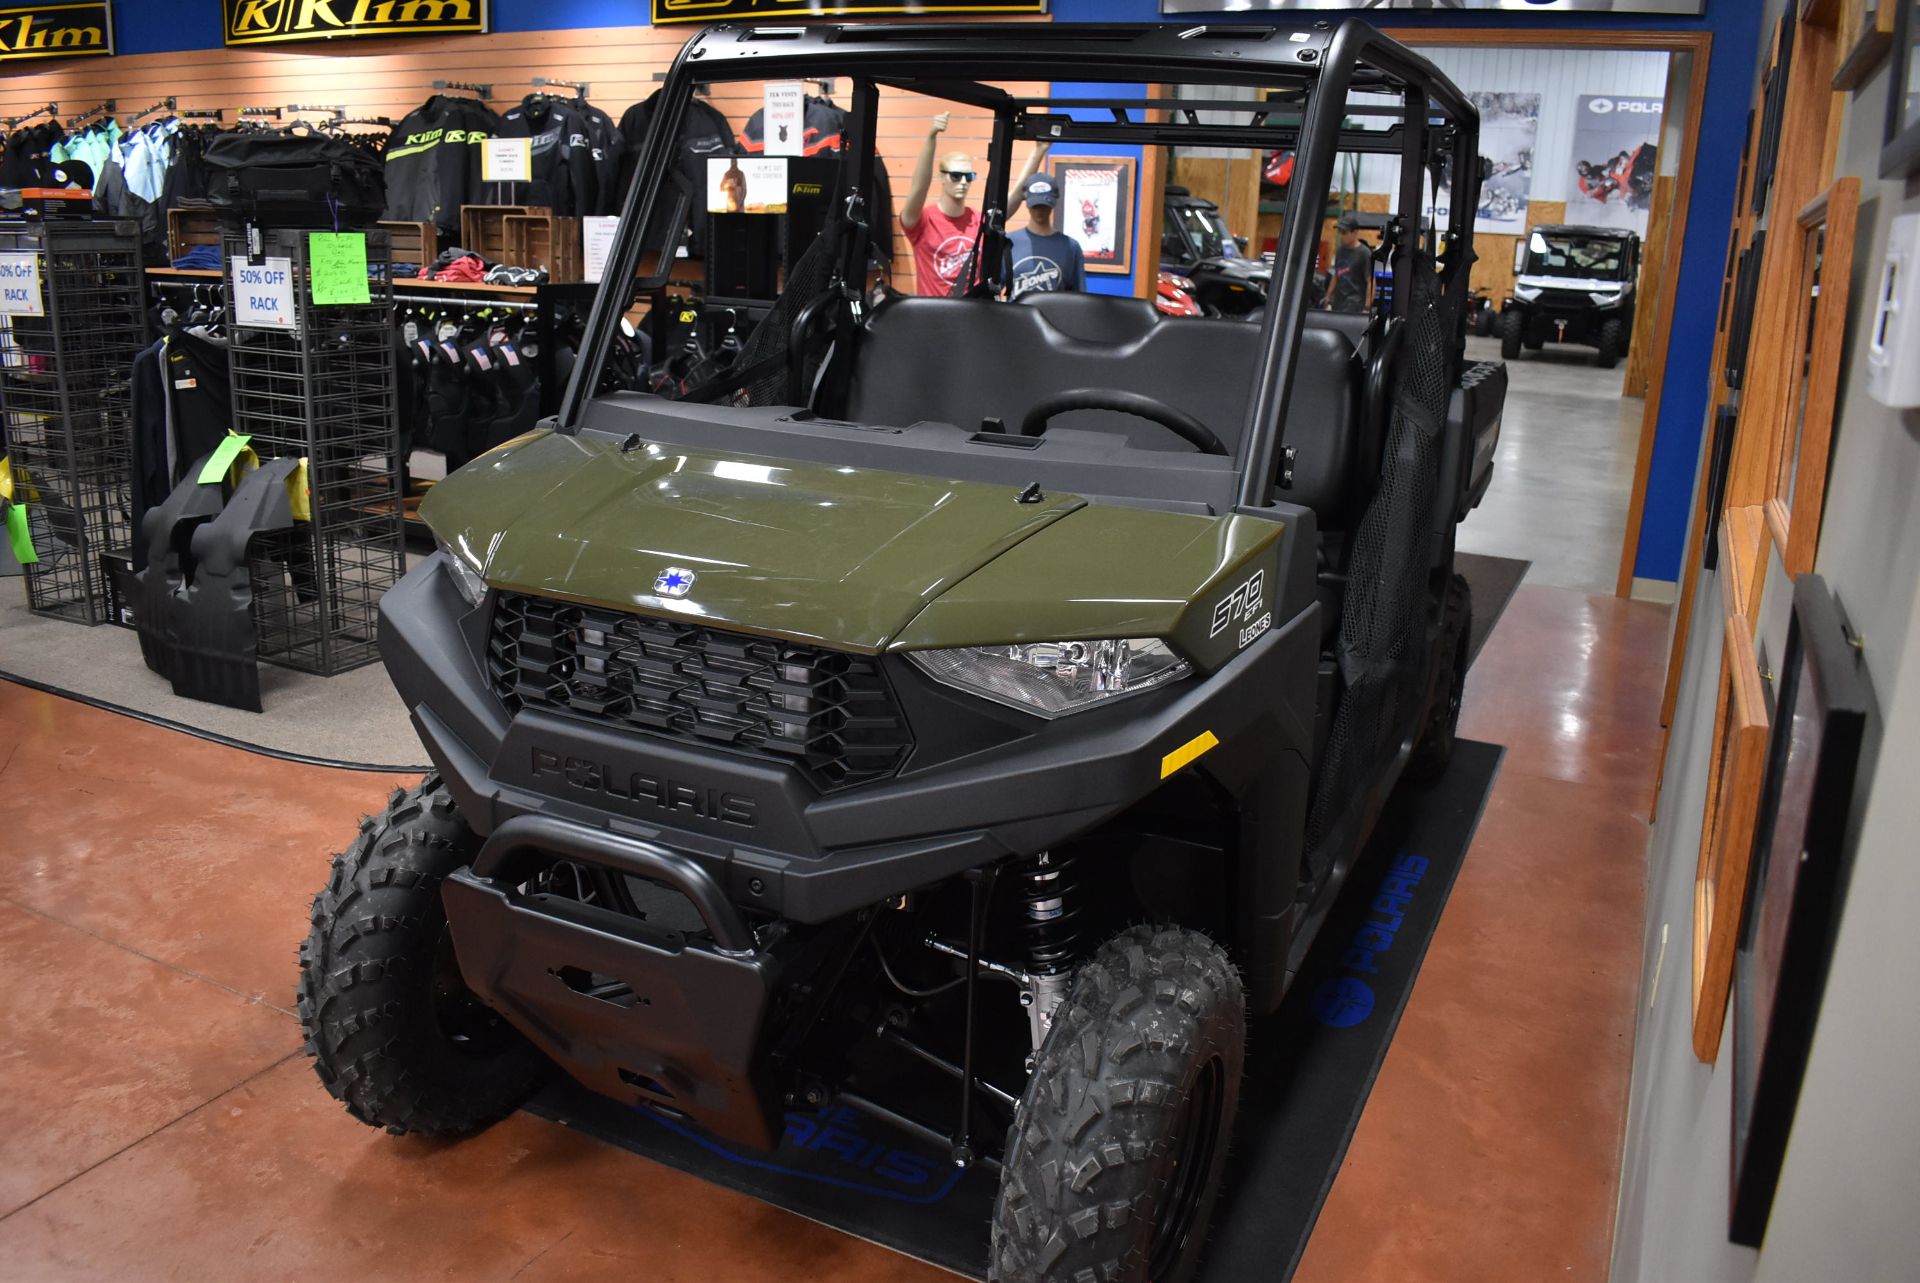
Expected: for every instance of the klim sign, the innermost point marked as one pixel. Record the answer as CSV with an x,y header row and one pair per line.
x,y
260,22
54,31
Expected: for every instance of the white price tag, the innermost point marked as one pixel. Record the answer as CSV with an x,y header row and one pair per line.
x,y
263,294
596,233
506,160
20,293
785,118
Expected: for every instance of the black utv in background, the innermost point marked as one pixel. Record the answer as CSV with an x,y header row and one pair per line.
x,y
1195,243
1576,285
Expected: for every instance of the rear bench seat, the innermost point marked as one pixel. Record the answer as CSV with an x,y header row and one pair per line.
x,y
964,360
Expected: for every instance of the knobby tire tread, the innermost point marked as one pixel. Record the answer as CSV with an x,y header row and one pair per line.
x,y
366,976
1091,1149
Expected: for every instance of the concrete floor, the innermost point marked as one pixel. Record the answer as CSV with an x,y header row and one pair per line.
x,y
1564,472
158,1120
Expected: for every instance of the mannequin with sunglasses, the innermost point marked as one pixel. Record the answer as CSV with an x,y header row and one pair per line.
x,y
942,233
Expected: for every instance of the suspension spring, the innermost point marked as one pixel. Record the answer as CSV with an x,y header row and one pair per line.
x,y
1050,931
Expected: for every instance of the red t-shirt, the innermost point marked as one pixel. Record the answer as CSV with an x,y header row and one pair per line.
x,y
940,247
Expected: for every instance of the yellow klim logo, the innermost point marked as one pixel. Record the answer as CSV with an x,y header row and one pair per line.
x,y
259,22
55,31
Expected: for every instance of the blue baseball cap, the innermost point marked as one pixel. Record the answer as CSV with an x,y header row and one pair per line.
x,y
1040,190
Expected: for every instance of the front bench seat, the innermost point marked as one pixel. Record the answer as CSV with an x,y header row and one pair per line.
x,y
961,361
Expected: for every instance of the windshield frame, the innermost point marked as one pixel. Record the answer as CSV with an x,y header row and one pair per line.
x,y
1319,65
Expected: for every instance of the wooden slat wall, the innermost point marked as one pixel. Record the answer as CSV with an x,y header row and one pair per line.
x,y
392,77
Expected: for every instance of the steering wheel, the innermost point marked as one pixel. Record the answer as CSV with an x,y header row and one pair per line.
x,y
1178,422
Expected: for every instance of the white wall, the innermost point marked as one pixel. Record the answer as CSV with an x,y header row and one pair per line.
x,y
1559,76
1845,1209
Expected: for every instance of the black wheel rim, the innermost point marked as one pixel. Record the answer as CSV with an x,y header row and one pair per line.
x,y
1196,1138
466,1025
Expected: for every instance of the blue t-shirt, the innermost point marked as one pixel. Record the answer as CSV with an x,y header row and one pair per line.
x,y
1041,263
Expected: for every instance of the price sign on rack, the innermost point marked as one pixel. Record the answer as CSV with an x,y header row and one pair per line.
x,y
263,294
20,293
506,160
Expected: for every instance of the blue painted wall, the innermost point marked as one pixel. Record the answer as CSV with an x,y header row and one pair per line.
x,y
162,26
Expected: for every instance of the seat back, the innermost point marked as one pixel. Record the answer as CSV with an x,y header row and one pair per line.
x,y
963,361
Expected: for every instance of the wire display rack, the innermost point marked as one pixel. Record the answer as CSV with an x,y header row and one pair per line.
x,y
64,392
324,391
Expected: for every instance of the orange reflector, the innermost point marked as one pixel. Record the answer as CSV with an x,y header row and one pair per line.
x,y
1187,752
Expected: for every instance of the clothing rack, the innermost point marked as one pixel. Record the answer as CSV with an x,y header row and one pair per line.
x,y
378,122
579,87
165,104
51,109
485,91
92,114
700,87
303,109
201,113
272,113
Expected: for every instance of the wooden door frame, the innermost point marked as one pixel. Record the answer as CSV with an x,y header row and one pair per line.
x,y
1698,44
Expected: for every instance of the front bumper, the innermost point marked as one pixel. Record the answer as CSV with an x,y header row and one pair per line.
x,y
680,1020
770,840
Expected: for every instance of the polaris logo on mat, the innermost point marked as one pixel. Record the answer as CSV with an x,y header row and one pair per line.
x,y
837,1146
1347,999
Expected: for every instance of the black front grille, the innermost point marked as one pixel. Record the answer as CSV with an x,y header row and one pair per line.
x,y
828,713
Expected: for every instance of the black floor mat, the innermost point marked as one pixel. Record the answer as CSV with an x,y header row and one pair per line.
x,y
1493,580
1309,1073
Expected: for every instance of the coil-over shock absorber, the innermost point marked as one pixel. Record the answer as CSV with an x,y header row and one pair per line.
x,y
1050,932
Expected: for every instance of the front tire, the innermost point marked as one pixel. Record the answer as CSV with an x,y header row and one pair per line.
x,y
1120,1140
394,1032
1613,343
1513,326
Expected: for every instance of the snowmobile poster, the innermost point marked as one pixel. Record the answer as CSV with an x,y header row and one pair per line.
x,y
1509,127
1096,208
1615,158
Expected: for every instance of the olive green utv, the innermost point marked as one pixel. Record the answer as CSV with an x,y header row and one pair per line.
x,y
1002,686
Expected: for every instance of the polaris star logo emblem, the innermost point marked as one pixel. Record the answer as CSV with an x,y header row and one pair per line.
x,y
674,581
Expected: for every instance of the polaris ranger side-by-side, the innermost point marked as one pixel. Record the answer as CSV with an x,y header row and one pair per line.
x,y
1575,285
995,692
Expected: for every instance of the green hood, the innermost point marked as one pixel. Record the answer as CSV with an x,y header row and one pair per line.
x,y
851,558
842,556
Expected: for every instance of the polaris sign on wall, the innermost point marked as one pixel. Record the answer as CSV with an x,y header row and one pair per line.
x,y
1616,156
1686,8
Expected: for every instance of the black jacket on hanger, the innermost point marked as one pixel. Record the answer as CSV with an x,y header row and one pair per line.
x,y
704,133
609,151
433,161
566,173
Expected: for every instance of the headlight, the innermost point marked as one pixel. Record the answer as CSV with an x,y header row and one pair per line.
x,y
1605,300
1181,282
1527,292
471,585
1052,678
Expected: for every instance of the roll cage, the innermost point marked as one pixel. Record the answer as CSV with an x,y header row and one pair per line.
x,y
1308,71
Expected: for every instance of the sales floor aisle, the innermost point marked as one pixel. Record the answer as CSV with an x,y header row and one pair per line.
x,y
157,1119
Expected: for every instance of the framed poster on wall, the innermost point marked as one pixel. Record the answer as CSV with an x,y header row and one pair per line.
x,y
1096,208
1796,883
